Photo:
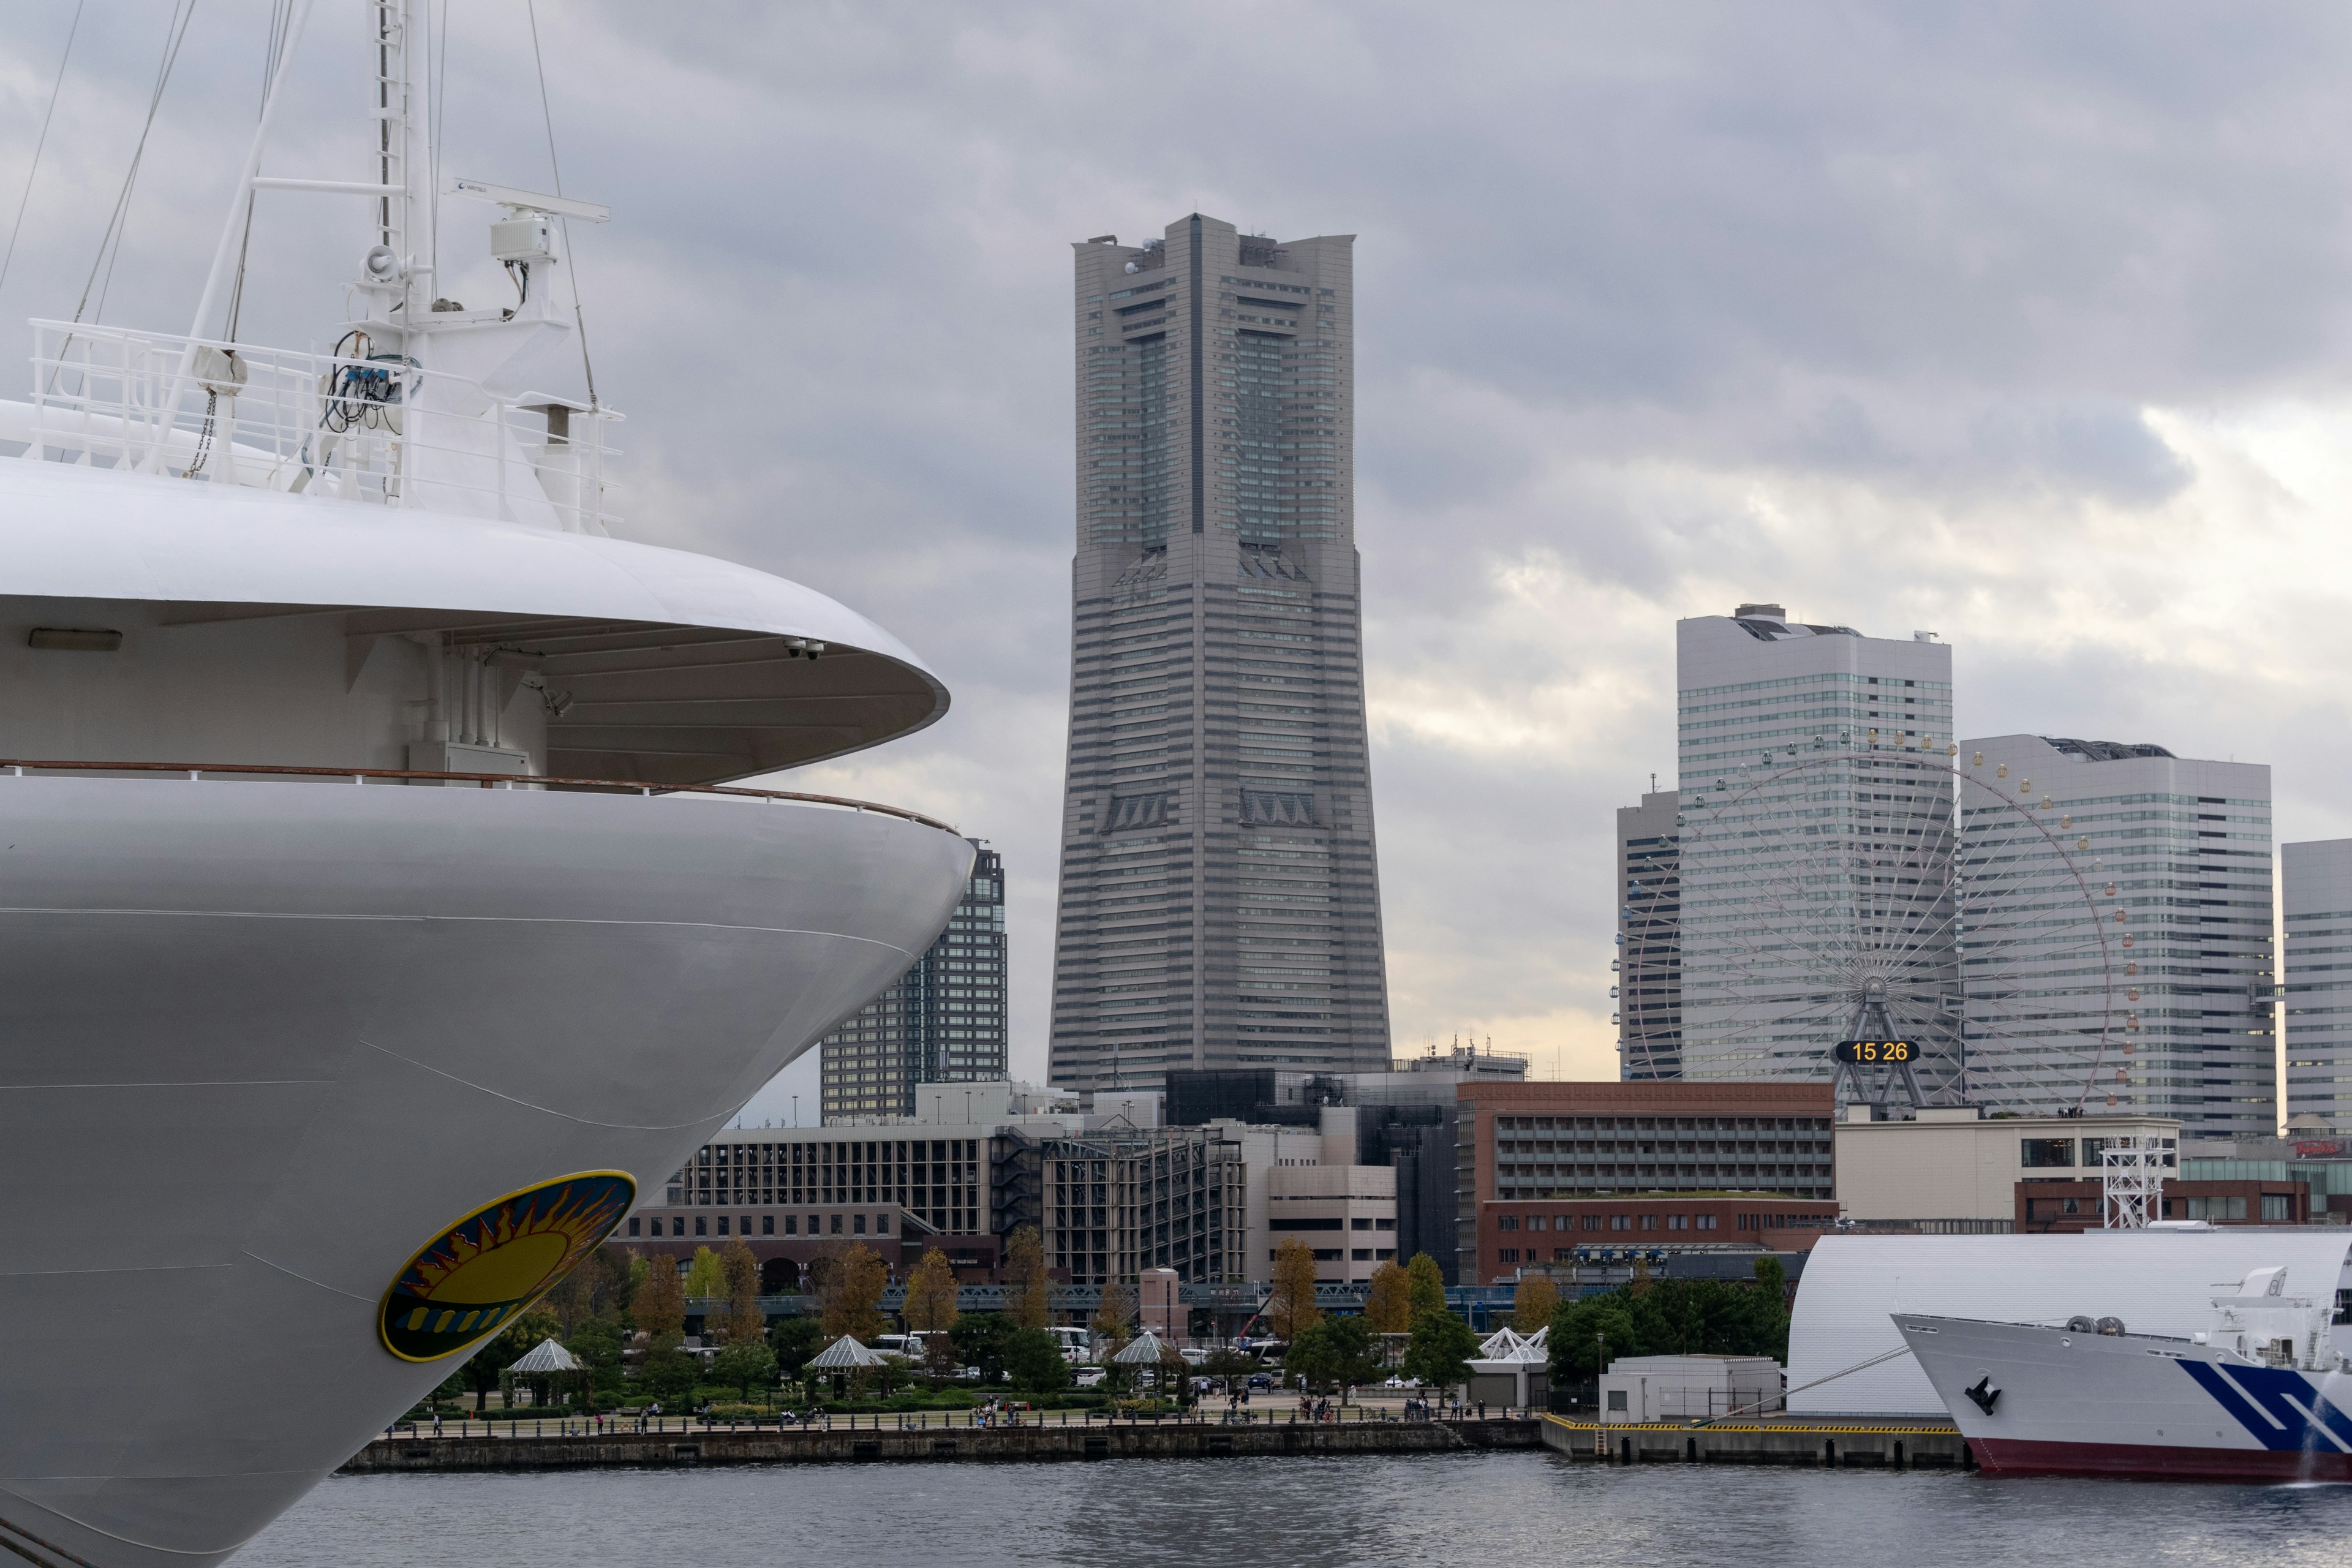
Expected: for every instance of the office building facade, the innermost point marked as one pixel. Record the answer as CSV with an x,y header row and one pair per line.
x,y
1523,1142
1816,802
2119,951
1648,968
1219,894
943,1021
2316,1009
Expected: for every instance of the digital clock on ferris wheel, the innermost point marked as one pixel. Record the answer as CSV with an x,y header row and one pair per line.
x,y
1863,1052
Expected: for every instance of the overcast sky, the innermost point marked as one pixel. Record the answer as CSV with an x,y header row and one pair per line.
x,y
2023,325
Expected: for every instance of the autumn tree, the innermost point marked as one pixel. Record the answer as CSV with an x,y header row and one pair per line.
x,y
1112,1319
1388,1306
930,1306
745,1320
659,1309
849,1286
1425,1285
1291,1307
1336,1353
600,1287
1031,1303
1533,1303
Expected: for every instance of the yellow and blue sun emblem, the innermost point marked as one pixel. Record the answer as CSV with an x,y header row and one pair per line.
x,y
484,1271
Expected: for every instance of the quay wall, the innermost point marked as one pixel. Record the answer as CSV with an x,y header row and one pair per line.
x,y
1899,1446
399,1455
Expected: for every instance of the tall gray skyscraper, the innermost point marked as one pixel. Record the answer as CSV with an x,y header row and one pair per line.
x,y
943,1021
1219,899
1816,846
2171,1015
2315,1033
1649,966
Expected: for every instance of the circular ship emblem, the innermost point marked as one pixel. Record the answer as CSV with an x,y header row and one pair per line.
x,y
480,1274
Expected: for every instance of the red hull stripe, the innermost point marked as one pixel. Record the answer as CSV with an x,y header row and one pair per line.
x,y
2003,1455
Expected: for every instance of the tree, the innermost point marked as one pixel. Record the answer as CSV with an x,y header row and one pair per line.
x,y
930,1306
1032,1300
1291,1306
666,1370
1335,1352
1034,1357
1533,1303
1425,1285
600,1287
705,1279
849,1286
1576,1331
1388,1307
795,1340
1117,1311
744,1363
599,1342
746,1323
1439,1349
982,1340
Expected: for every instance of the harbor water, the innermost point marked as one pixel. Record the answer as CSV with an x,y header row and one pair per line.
x,y
1446,1510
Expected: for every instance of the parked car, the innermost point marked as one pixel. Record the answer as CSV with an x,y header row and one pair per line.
x,y
1088,1377
1260,1380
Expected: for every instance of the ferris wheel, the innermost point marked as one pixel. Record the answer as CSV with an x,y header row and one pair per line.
x,y
1914,928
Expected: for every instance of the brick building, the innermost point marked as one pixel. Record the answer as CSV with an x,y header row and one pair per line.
x,y
1525,1142
2062,1207
1518,1234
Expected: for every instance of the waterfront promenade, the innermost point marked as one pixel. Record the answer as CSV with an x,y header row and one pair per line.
x,y
924,1435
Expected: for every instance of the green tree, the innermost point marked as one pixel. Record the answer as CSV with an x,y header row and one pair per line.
x,y
599,1342
744,1363
1439,1349
1335,1354
982,1338
795,1340
1034,1357
1425,1285
1290,1307
1032,1300
706,1278
1575,1325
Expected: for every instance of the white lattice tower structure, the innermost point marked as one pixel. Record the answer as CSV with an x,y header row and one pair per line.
x,y
2132,1179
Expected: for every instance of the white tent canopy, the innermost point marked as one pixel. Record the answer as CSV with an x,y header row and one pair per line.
x,y
1148,1350
845,1354
545,1357
1507,1345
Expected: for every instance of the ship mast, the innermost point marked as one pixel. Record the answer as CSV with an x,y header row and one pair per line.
x,y
405,211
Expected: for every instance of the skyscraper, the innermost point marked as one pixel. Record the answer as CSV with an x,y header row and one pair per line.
x,y
943,1021
1220,898
1816,846
1649,967
2316,1022
2169,1015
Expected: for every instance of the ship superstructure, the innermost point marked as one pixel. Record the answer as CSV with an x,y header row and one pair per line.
x,y
374,914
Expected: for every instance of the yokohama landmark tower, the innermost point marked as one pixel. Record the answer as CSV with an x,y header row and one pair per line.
x,y
1220,898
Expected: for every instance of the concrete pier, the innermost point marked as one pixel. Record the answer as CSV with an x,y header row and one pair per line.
x,y
1779,1440
1101,1440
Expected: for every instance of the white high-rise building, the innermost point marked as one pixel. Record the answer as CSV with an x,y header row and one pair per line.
x,y
2315,1033
1816,843
2117,955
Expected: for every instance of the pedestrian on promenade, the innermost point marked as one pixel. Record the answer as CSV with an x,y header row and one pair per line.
x,y
437,1422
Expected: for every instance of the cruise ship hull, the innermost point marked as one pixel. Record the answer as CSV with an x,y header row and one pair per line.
x,y
2073,1403
263,1041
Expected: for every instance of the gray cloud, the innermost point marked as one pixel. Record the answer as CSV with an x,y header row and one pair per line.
x,y
1865,306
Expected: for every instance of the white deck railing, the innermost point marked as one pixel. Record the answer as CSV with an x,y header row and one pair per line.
x,y
378,428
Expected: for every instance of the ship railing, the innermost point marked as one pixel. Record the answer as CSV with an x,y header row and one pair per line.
x,y
372,428
22,767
